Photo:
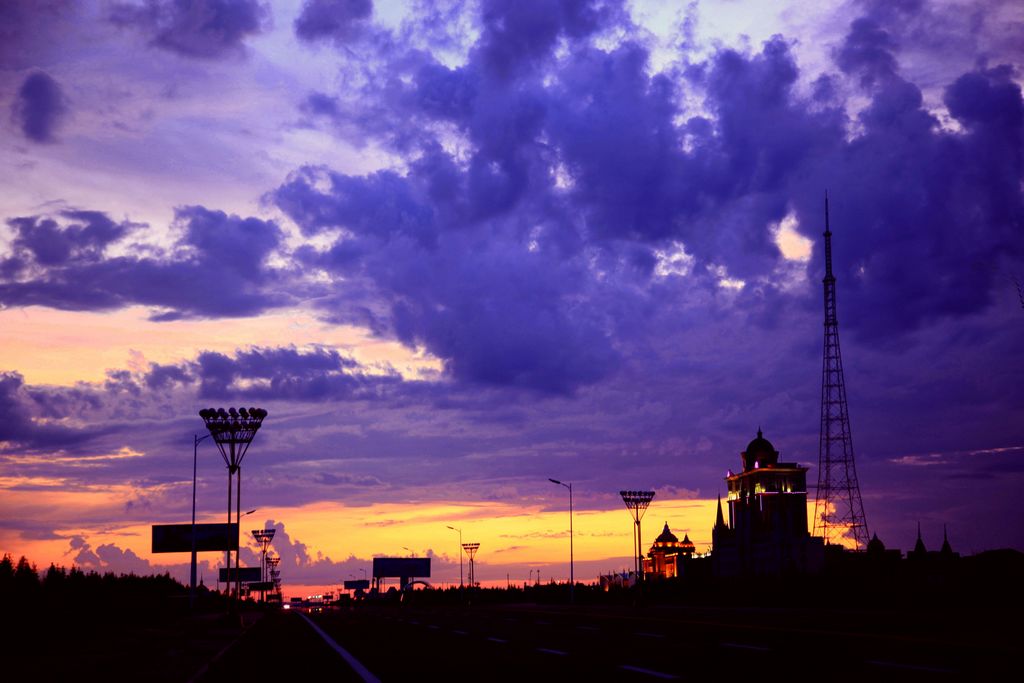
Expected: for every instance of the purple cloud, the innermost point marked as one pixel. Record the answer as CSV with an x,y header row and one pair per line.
x,y
39,107
217,270
338,20
201,29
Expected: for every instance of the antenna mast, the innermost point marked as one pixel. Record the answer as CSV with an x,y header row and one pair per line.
x,y
838,509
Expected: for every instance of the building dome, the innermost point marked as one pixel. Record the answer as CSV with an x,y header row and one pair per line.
x,y
760,452
667,537
875,545
687,545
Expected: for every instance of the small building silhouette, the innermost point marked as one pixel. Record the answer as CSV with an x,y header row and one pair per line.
x,y
766,533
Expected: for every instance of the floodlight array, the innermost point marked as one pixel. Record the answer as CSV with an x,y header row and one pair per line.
x,y
233,430
637,502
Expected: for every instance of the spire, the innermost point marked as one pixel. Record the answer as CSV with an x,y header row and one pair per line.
x,y
720,519
759,434
947,549
919,546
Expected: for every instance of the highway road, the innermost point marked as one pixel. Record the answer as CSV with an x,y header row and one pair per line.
x,y
538,643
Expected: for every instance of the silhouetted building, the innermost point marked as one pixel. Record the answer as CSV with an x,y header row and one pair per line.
x,y
668,555
922,556
766,532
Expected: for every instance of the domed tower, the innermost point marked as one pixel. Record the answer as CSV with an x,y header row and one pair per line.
x,y
759,453
767,528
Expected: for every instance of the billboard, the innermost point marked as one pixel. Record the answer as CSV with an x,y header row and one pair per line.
x,y
177,538
357,584
260,585
402,567
246,574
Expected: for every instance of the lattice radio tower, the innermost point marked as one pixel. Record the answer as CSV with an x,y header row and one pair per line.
x,y
838,509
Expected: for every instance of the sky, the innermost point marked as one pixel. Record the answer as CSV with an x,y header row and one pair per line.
x,y
458,248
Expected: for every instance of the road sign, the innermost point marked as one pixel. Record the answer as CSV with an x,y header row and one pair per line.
x,y
177,538
357,584
246,574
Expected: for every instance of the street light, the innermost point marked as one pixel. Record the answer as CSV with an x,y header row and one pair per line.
x,y
233,430
572,576
637,503
460,553
195,457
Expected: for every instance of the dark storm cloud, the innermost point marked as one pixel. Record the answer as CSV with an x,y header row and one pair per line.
x,y
39,107
338,20
202,29
216,270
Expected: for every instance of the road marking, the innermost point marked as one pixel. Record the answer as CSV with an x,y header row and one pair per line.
x,y
909,667
356,665
643,634
497,640
458,632
588,628
414,622
433,626
542,623
551,652
743,646
648,672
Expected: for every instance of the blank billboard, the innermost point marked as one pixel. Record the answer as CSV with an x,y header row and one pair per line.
x,y
177,538
401,567
246,574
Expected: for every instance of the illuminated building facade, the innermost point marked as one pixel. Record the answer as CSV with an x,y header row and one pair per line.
x,y
766,532
668,555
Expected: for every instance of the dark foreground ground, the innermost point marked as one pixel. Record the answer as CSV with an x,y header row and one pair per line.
x,y
528,642
535,643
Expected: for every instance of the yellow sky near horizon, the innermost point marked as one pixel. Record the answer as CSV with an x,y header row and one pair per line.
x,y
510,534
49,346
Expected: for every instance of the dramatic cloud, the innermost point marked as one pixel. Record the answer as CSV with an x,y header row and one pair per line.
x,y
39,107
203,29
217,268
18,428
606,234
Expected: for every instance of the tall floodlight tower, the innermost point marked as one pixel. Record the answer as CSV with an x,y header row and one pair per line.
x,y
637,503
838,509
263,537
275,573
471,549
232,430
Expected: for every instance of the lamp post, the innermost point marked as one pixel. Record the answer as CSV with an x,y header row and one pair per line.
x,y
460,554
233,430
192,579
572,576
637,503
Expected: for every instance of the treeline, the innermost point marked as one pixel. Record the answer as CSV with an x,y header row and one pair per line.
x,y
59,590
